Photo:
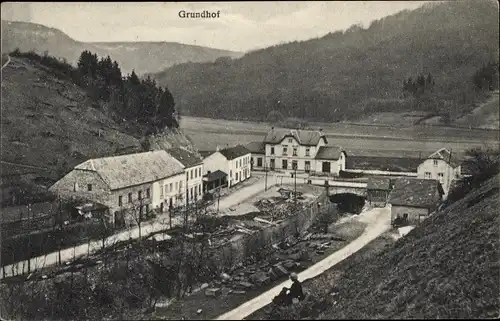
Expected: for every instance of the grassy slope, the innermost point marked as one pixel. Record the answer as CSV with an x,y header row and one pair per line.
x,y
348,74
51,123
448,267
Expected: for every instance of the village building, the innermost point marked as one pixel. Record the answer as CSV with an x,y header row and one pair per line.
x,y
128,185
193,170
442,166
301,151
234,162
377,191
413,199
258,151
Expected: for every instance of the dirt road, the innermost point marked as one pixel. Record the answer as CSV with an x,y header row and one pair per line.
x,y
378,221
147,228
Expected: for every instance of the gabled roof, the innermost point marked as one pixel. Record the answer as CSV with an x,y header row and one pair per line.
x,y
379,183
234,152
415,192
187,158
133,169
303,137
218,174
328,152
256,147
206,153
445,155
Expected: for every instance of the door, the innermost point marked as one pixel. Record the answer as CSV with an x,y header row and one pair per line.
x,y
284,164
325,168
272,164
307,166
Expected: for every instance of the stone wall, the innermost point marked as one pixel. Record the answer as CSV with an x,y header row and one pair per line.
x,y
243,246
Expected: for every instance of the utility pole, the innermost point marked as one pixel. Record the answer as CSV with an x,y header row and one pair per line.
x,y
265,170
218,198
295,183
187,205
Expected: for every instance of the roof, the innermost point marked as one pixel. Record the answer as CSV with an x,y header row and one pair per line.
x,y
256,147
234,152
187,158
415,192
133,169
378,183
328,152
445,155
206,153
303,137
218,174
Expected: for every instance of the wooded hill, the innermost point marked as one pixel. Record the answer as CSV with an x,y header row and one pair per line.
x,y
145,56
347,74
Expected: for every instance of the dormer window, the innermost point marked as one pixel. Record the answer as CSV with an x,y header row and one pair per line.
x,y
89,187
308,150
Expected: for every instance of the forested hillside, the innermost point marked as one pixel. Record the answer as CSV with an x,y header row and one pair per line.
x,y
344,75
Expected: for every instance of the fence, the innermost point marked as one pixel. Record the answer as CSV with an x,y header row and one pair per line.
x,y
243,246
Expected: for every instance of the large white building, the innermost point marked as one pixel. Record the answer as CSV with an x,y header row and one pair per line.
x,y
129,185
441,166
193,170
304,151
233,161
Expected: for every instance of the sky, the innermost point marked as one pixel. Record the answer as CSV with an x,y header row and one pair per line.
x,y
241,26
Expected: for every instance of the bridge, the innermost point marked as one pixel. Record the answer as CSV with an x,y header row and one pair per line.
x,y
335,185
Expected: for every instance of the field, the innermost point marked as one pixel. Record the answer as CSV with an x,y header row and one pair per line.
x,y
356,139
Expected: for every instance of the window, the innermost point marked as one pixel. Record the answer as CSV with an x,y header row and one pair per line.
x,y
309,181
191,192
427,175
231,173
236,164
272,150
285,150
199,171
199,189
294,165
295,151
75,187
284,164
208,172
171,188
435,162
308,150
130,197
139,195
148,193
180,185
147,209
441,176
89,187
191,174
259,161
161,191
272,163
120,201
307,166
290,140
236,176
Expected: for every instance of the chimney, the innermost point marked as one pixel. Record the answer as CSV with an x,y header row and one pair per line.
x,y
321,132
217,149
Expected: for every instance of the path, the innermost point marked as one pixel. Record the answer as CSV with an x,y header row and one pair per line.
x,y
244,193
378,221
6,63
147,228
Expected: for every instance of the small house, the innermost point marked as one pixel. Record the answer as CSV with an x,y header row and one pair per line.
x,y
413,199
